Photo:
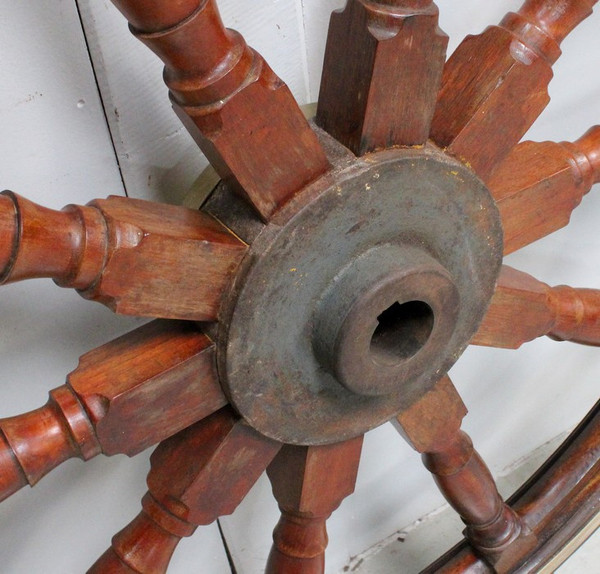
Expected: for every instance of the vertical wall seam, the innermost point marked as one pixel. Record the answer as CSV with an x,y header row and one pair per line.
x,y
100,96
300,7
226,546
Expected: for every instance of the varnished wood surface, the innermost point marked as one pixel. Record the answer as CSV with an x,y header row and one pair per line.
x,y
524,308
377,52
243,117
124,397
137,257
148,260
484,110
432,427
309,483
539,184
196,476
553,503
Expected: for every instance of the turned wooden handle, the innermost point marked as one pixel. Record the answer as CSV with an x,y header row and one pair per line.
x,y
511,90
586,152
299,544
69,246
195,46
577,314
123,397
300,537
556,18
137,257
432,426
146,544
217,84
32,444
524,308
197,475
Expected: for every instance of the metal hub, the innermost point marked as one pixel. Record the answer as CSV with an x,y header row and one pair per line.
x,y
359,295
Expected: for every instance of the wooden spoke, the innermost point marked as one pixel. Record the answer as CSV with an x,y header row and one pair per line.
x,y
197,475
494,86
432,427
539,184
309,483
553,504
136,257
123,397
524,308
377,54
243,117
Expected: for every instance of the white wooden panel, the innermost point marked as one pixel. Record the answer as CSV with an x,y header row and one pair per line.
x,y
158,158
55,142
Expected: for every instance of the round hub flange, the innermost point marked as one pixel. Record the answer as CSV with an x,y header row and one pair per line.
x,y
359,295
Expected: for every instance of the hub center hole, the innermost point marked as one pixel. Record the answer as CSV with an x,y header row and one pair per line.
x,y
403,330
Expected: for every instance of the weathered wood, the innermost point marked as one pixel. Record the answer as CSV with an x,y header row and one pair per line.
x,y
137,257
243,117
561,496
309,483
377,54
124,397
539,184
495,84
524,308
196,476
432,427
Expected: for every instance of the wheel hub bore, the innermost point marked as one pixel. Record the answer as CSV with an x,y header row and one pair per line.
x,y
359,295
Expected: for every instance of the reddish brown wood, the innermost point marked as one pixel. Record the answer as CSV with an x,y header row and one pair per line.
x,y
34,443
243,117
524,308
539,184
494,86
432,427
377,54
124,397
561,496
197,475
309,483
137,257
573,468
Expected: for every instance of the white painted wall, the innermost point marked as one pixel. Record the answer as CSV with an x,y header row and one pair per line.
x,y
56,149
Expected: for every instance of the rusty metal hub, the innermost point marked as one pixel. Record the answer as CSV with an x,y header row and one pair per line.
x,y
359,295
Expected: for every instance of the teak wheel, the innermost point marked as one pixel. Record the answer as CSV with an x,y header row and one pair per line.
x,y
326,286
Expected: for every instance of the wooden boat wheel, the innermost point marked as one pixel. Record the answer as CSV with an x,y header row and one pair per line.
x,y
325,287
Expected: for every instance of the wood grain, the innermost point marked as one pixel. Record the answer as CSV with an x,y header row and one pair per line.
x,y
432,427
196,476
495,84
136,257
124,397
524,308
309,483
539,184
554,503
377,53
243,117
